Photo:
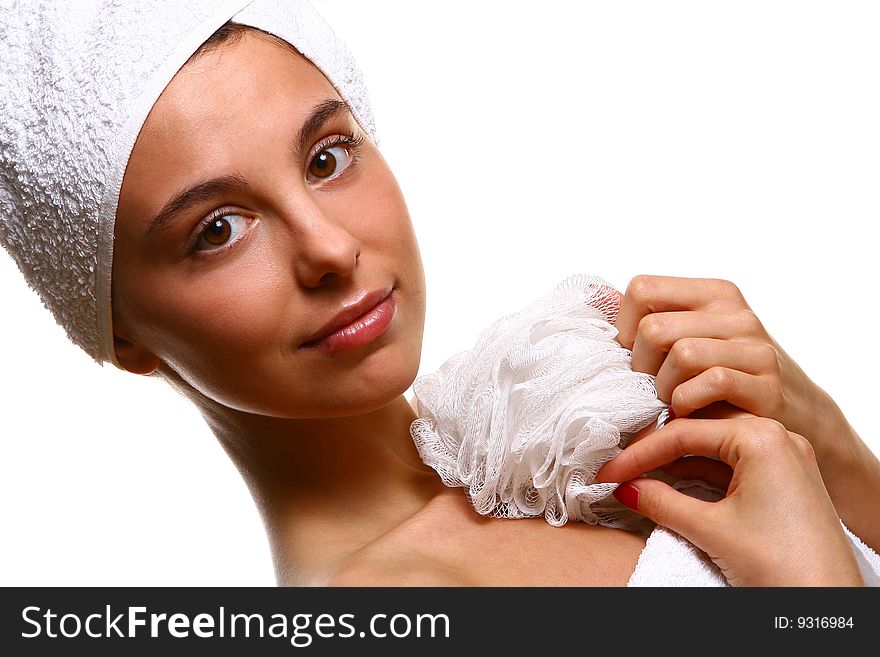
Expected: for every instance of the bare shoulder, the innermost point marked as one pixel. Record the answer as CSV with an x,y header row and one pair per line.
x,y
397,571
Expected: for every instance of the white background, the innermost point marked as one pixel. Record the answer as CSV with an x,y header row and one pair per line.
x,y
532,141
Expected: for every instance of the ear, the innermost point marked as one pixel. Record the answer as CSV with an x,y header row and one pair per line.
x,y
134,357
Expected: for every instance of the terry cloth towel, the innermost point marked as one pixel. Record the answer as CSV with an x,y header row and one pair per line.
x,y
525,420
78,81
670,560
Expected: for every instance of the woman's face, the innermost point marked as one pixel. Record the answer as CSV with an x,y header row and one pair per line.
x,y
305,217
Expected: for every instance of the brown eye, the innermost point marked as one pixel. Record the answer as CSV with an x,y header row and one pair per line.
x,y
221,231
329,162
217,232
323,165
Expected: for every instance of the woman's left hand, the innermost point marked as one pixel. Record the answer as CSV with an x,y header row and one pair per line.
x,y
705,345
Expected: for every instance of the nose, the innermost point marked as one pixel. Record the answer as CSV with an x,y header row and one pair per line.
x,y
324,246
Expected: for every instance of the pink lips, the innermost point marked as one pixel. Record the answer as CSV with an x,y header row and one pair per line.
x,y
361,330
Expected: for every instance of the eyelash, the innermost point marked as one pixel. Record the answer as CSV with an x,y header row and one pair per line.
x,y
351,140
219,213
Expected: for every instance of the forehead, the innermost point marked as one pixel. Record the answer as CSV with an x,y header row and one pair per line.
x,y
228,110
234,81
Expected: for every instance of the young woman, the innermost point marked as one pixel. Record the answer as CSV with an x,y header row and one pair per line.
x,y
256,216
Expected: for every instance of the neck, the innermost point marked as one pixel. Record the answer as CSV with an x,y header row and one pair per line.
x,y
326,488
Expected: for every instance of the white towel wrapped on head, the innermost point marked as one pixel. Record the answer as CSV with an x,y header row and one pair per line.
x,y
78,80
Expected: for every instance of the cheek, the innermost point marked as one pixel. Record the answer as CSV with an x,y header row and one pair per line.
x,y
385,217
387,227
225,324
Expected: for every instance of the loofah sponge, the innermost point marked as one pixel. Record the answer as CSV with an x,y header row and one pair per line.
x,y
526,418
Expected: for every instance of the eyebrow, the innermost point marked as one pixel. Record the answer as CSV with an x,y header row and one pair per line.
x,y
208,189
320,114
203,191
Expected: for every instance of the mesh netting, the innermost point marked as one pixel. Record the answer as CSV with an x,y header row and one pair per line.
x,y
526,418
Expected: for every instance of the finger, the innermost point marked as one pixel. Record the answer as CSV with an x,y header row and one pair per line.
x,y
658,333
760,395
719,410
712,471
689,357
666,506
684,437
653,294
651,428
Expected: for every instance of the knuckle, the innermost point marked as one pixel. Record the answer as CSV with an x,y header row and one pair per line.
x,y
720,378
661,510
655,506
726,289
774,428
688,353
679,440
652,329
803,446
641,287
750,323
679,397
768,433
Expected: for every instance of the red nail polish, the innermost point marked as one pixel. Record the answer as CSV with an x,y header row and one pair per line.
x,y
628,495
672,415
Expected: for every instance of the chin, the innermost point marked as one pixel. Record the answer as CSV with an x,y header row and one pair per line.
x,y
343,387
373,396
363,391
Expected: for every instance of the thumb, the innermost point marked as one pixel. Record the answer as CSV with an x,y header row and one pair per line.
x,y
666,506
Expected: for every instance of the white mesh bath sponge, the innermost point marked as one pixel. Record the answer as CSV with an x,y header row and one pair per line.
x,y
525,419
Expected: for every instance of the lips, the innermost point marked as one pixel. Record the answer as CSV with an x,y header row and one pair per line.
x,y
356,323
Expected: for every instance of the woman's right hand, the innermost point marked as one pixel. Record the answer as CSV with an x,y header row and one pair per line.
x,y
776,526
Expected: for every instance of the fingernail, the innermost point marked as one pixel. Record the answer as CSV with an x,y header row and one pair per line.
x,y
628,495
672,415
